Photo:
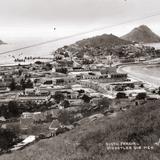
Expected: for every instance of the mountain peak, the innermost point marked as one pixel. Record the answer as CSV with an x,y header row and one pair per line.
x,y
142,34
143,28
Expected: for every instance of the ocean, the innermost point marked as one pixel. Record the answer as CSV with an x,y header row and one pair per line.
x,y
155,45
45,50
146,73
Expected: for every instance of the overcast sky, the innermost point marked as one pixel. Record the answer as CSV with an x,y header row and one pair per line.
x,y
39,17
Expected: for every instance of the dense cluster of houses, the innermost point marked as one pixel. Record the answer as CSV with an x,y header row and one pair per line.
x,y
45,82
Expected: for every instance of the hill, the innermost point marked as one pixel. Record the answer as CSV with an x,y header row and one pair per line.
x,y
96,46
105,40
142,34
140,124
1,42
107,44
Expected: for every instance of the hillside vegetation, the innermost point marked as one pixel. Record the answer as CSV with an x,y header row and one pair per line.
x,y
140,124
104,40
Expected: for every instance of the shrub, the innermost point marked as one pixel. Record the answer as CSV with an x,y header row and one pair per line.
x,y
86,98
65,117
141,96
58,96
7,138
121,95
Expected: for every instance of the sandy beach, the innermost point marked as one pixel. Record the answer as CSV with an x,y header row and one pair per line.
x,y
149,74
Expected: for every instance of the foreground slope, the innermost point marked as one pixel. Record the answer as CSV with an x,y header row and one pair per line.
x,y
139,124
142,34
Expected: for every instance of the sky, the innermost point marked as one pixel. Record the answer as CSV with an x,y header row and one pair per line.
x,y
38,18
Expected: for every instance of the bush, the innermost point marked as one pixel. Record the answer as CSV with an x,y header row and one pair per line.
x,y
62,70
103,103
66,104
141,96
65,117
121,95
10,110
47,67
38,62
7,138
58,96
12,85
86,98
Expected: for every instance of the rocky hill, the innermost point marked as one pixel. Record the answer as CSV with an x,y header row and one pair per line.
x,y
105,45
1,42
142,34
95,46
105,40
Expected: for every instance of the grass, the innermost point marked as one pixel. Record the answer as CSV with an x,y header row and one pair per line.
x,y
87,142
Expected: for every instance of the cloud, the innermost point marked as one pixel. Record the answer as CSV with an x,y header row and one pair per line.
x,y
77,15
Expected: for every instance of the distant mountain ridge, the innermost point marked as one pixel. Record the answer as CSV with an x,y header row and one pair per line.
x,y
142,34
1,42
105,40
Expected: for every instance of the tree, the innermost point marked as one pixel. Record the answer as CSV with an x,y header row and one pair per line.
x,y
103,103
12,86
29,84
7,138
48,67
3,110
65,117
26,84
81,91
119,88
158,91
133,86
121,95
20,71
58,96
142,85
22,83
66,104
141,96
86,98
87,61
38,62
62,70
13,109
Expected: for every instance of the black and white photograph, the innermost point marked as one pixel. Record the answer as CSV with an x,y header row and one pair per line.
x,y
79,79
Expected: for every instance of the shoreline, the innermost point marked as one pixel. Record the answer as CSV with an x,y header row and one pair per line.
x,y
138,75
22,63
